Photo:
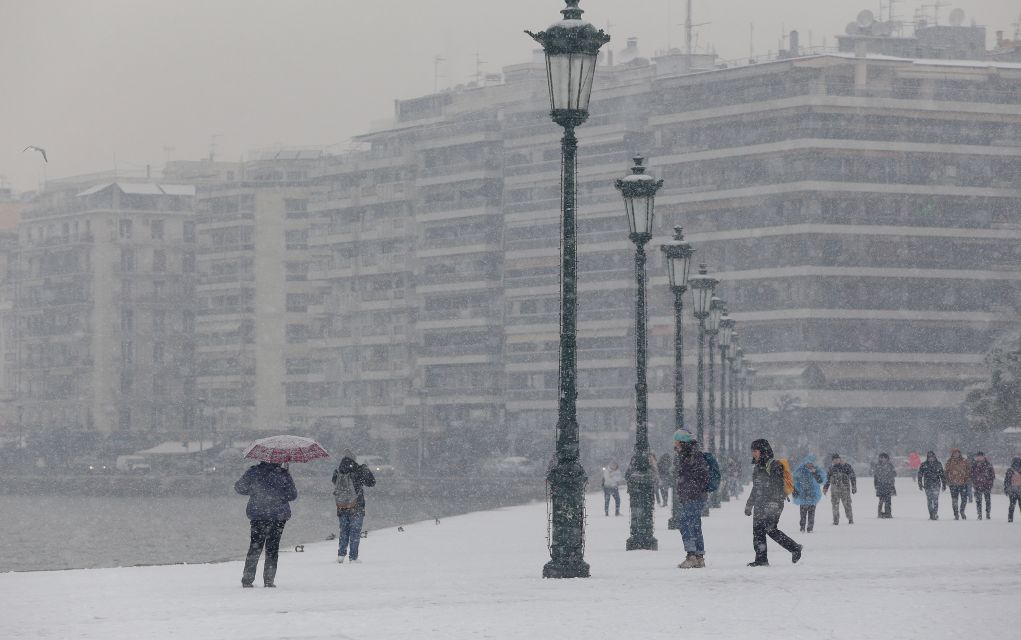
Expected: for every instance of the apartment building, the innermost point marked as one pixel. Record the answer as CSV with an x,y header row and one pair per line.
x,y
103,296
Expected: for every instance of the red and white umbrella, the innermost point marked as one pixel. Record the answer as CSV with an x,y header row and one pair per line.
x,y
282,449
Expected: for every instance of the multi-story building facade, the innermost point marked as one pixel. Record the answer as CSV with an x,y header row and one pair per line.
x,y
103,291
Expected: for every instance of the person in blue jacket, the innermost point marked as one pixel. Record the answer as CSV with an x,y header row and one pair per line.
x,y
808,481
269,487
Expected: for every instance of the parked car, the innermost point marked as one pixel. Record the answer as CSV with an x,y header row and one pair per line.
x,y
510,466
92,467
377,464
133,464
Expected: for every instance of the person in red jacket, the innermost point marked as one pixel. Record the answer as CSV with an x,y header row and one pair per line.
x,y
982,478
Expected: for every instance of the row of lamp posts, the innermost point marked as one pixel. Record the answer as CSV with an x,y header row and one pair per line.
x,y
571,47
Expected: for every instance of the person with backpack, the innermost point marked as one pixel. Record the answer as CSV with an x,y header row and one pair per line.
x,y
958,473
269,487
765,504
983,477
841,478
698,474
884,477
808,481
349,482
612,479
666,477
931,477
1012,487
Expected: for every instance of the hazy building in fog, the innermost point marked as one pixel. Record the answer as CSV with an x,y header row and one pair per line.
x,y
103,294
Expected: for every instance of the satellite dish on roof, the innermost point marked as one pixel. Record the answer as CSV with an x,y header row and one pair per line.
x,y
852,29
865,19
957,17
883,28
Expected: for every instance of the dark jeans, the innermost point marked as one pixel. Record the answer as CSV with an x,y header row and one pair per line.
x,y
1015,498
350,532
607,492
958,491
691,526
932,500
265,533
979,495
885,505
664,495
762,527
808,515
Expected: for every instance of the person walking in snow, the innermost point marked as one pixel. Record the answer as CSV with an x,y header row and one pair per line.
x,y
932,478
808,481
840,477
958,473
884,477
691,493
765,504
1012,487
270,488
612,479
666,478
983,477
349,482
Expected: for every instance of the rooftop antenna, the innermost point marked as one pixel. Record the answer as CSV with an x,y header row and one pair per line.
x,y
436,72
935,10
1017,29
169,151
212,146
478,68
751,43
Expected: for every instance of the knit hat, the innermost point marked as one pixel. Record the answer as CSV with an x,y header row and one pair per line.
x,y
834,456
683,435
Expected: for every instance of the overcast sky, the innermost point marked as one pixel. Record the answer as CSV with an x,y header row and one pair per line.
x,y
138,81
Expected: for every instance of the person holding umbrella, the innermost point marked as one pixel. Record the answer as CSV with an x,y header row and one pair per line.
x,y
270,488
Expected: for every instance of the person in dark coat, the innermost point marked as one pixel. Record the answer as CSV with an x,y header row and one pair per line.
x,y
983,476
958,473
840,477
269,487
350,512
666,477
691,493
932,478
884,477
765,504
1012,487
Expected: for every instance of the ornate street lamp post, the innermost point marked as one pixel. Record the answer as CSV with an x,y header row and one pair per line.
x,y
678,262
727,450
571,46
639,192
712,327
702,287
749,376
735,398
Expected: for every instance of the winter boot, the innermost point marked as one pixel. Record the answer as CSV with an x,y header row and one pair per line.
x,y
690,562
759,563
700,560
796,555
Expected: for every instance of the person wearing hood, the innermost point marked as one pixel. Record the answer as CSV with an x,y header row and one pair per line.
x,y
691,493
841,478
1012,487
932,479
808,481
884,477
349,482
983,477
958,473
765,504
269,487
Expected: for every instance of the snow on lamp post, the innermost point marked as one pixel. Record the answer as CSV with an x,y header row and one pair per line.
x,y
572,47
678,263
702,287
712,327
639,193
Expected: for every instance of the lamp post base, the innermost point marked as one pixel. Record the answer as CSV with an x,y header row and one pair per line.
x,y
640,487
565,569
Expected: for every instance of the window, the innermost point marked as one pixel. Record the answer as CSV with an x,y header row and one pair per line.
x,y
124,421
188,262
159,261
189,231
125,229
127,260
158,289
127,381
127,352
157,229
159,321
126,289
127,321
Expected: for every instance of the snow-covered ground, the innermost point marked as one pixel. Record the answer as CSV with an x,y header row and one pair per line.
x,y
478,576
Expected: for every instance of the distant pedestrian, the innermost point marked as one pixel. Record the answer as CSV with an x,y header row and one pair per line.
x,y
666,477
612,479
349,482
884,478
808,481
269,487
1012,487
933,479
841,479
696,471
958,474
983,477
765,504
